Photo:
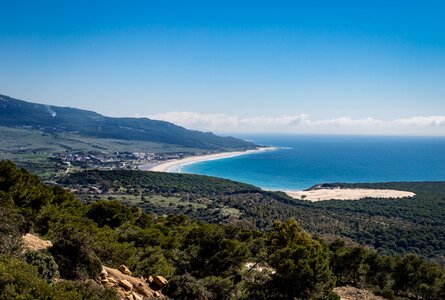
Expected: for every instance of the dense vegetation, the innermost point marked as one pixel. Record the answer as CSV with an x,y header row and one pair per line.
x,y
15,113
398,225
395,226
202,261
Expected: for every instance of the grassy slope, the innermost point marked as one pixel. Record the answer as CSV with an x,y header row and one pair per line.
x,y
20,141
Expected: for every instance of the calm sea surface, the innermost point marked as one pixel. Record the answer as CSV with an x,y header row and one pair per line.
x,y
302,161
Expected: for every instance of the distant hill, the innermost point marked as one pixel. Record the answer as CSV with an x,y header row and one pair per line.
x,y
18,113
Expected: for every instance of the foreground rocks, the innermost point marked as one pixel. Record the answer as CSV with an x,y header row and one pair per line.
x,y
352,293
129,287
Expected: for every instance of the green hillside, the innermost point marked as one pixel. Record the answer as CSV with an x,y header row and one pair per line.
x,y
54,119
392,226
200,260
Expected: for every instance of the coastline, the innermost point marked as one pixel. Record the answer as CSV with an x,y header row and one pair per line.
x,y
171,165
174,166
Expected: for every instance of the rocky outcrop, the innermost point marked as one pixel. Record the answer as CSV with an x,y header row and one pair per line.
x,y
353,293
124,270
158,282
34,243
129,287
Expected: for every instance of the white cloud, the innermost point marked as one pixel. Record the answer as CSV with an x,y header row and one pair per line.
x,y
422,121
302,123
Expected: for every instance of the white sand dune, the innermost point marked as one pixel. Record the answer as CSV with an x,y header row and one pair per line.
x,y
347,194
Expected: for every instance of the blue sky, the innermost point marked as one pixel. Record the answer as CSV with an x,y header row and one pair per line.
x,y
248,66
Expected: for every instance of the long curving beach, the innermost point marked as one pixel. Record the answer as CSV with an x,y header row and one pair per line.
x,y
174,164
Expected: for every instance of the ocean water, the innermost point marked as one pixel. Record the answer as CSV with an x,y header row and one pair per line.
x,y
301,161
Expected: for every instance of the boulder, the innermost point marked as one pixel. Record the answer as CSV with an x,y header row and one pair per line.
x,y
137,297
124,270
139,286
125,284
112,280
159,282
103,273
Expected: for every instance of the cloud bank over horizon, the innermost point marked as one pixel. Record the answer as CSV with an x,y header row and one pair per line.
x,y
305,124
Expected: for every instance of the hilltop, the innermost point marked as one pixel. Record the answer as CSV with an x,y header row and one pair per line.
x,y
55,119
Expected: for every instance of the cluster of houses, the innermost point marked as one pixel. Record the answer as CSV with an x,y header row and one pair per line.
x,y
111,161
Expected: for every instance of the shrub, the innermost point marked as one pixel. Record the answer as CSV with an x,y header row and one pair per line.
x,y
10,237
83,290
73,248
18,280
153,262
44,263
186,287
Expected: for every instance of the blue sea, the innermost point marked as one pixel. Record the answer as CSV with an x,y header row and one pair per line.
x,y
301,161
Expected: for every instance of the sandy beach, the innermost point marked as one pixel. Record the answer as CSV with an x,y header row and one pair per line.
x,y
347,194
170,165
312,195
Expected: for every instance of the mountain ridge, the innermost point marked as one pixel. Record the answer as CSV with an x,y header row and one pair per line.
x,y
49,118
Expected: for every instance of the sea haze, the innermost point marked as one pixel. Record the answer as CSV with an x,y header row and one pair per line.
x,y
302,161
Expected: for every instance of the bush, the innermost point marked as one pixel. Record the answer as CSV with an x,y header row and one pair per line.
x,y
73,249
186,287
219,288
44,263
84,290
10,236
111,213
18,280
153,262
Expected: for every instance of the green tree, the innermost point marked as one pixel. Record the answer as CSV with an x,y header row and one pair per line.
x,y
153,262
379,270
413,275
110,213
301,264
10,236
348,264
207,252
73,248
25,189
186,287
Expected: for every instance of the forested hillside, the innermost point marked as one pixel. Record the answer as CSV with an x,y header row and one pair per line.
x,y
392,226
201,260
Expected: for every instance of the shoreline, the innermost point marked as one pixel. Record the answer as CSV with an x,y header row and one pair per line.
x,y
170,165
323,194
